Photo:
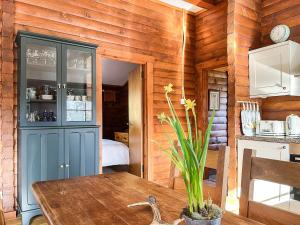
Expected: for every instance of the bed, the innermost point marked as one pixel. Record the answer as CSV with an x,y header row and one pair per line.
x,y
114,153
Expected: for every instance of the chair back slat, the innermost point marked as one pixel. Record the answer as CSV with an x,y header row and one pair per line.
x,y
283,173
217,191
268,170
272,216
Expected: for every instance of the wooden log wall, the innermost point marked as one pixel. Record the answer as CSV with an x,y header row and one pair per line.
x,y
130,27
211,37
115,114
7,119
217,81
275,13
211,53
244,18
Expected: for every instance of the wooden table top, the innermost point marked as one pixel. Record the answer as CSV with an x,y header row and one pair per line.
x,y
103,200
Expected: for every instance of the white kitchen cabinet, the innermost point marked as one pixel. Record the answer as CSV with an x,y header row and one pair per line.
x,y
266,192
274,70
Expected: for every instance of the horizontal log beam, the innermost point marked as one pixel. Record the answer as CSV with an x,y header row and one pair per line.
x,y
207,4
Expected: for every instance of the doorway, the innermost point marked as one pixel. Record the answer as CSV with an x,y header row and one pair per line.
x,y
217,87
122,116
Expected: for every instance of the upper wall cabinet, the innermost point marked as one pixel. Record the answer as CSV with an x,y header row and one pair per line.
x,y
275,70
57,81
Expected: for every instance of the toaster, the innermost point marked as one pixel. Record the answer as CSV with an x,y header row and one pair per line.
x,y
271,128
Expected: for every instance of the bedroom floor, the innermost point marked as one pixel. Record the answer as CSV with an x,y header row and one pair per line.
x,y
115,169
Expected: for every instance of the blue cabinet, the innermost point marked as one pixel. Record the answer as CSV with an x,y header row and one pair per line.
x,y
57,133
40,156
57,82
80,155
51,154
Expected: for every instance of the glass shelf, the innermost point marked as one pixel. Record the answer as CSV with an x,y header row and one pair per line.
x,y
41,101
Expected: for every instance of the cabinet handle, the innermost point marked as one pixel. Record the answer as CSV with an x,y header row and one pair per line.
x,y
61,166
64,86
58,86
283,147
67,165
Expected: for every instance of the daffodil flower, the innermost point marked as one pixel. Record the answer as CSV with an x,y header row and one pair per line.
x,y
168,88
189,104
162,117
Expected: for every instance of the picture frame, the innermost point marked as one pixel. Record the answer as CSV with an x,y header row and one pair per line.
x,y
214,100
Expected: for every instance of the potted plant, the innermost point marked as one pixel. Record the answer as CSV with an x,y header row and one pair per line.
x,y
190,161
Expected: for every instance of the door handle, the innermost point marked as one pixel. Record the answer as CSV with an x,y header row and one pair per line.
x,y
58,86
64,86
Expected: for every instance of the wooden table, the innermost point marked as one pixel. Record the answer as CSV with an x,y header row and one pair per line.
x,y
103,200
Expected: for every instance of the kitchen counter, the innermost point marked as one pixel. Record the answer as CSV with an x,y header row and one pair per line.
x,y
282,139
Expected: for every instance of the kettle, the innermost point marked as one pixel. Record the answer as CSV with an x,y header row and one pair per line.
x,y
293,125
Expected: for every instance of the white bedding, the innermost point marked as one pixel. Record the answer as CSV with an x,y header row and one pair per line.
x,y
114,153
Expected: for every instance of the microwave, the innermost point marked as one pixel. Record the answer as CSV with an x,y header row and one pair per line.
x,y
271,128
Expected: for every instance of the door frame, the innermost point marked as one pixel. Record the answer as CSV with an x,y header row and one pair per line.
x,y
147,63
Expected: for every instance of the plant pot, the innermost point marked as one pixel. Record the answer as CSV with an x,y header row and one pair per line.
x,y
190,221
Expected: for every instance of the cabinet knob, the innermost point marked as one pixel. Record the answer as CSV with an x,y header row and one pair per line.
x,y
284,88
283,147
64,86
67,165
58,86
61,166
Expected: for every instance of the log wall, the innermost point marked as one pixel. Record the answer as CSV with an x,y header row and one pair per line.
x,y
217,81
115,114
211,53
275,13
129,27
7,100
211,37
244,18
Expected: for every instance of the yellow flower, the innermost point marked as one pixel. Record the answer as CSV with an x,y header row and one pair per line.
x,y
189,104
162,117
168,88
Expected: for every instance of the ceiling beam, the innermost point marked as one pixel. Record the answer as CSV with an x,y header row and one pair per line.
x,y
206,4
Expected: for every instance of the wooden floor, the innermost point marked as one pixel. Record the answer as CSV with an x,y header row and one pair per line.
x,y
36,221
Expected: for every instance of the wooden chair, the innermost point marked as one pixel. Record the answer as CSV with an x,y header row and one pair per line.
x,y
276,171
217,191
2,220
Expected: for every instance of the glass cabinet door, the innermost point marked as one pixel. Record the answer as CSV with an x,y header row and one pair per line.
x,y
40,97
78,86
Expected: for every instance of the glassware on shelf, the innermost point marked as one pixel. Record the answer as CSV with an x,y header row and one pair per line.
x,y
46,89
31,93
79,62
45,116
41,56
32,117
84,98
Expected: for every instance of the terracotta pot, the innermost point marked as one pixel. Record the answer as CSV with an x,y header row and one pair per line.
x,y
190,221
